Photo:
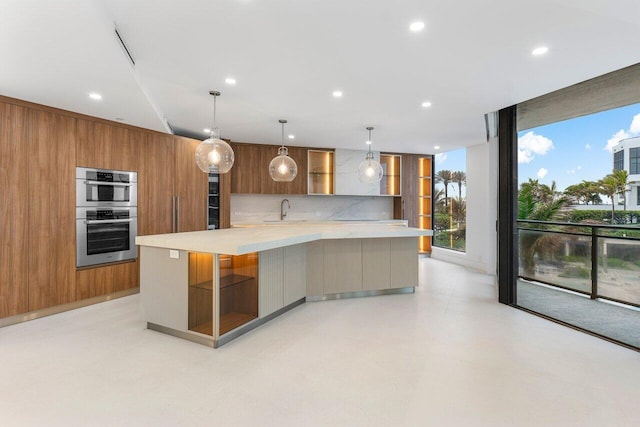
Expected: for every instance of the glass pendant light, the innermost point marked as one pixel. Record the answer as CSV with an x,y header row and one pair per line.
x,y
369,170
283,168
213,155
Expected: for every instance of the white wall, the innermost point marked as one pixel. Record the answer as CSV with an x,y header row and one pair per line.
x,y
261,207
482,211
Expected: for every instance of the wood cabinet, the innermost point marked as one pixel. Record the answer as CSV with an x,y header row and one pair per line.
x,y
105,146
14,204
250,172
40,148
392,174
52,203
156,185
191,188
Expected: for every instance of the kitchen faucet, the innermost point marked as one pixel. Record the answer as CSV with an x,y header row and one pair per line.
x,y
282,212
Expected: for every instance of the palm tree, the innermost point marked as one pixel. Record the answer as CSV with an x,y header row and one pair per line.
x,y
542,203
608,186
445,177
460,178
439,201
622,180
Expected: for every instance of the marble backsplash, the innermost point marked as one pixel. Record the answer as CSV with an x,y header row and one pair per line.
x,y
261,207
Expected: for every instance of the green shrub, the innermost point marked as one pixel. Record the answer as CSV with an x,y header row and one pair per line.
x,y
574,272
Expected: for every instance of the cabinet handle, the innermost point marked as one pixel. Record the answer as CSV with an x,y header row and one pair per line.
x,y
177,214
173,214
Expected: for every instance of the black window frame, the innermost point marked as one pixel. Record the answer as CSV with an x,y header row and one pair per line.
x,y
618,160
634,161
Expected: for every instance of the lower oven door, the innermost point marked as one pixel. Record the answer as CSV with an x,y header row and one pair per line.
x,y
104,241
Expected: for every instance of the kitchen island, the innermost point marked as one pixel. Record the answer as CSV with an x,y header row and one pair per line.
x,y
212,286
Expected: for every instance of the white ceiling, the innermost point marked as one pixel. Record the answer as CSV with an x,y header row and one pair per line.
x,y
289,55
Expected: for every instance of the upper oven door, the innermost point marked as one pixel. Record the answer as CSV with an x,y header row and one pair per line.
x,y
99,187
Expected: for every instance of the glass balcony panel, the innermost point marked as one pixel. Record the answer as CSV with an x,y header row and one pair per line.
x,y
619,269
557,259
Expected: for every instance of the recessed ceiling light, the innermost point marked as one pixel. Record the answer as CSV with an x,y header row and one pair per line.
x,y
436,147
206,130
540,50
416,26
96,96
292,136
230,81
337,93
426,104
368,142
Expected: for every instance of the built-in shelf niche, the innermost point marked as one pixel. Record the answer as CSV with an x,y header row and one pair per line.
x,y
237,296
425,186
320,172
391,176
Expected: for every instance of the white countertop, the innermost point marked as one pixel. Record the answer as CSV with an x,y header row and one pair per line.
x,y
255,238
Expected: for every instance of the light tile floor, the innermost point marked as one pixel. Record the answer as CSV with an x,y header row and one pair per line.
x,y
448,355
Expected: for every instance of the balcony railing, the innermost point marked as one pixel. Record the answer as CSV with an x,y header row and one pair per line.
x,y
602,261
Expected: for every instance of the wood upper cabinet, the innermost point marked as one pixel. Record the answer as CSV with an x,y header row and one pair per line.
x,y
51,216
250,172
245,173
299,183
104,146
191,187
14,203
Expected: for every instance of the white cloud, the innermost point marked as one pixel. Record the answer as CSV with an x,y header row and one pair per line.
x,y
613,141
440,158
542,172
634,130
587,147
635,125
571,171
579,167
531,144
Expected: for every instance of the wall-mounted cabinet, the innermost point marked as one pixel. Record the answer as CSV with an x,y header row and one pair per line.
x,y
250,172
320,172
390,185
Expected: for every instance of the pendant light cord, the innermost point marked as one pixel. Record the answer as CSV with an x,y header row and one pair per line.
x,y
282,135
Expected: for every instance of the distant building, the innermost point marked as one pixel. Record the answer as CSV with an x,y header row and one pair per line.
x,y
626,156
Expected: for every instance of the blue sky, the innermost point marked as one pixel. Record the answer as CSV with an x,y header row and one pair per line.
x,y
454,161
574,150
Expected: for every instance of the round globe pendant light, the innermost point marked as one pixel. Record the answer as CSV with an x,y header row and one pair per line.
x,y
283,168
213,155
369,170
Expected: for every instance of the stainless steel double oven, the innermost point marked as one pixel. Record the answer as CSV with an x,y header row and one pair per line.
x,y
106,216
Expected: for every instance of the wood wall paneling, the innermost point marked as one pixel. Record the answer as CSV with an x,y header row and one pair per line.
x,y
51,218
14,236
105,146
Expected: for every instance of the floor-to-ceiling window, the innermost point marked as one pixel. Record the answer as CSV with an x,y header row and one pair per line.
x,y
570,242
449,201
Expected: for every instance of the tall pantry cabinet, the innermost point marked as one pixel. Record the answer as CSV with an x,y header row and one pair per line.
x,y
40,147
